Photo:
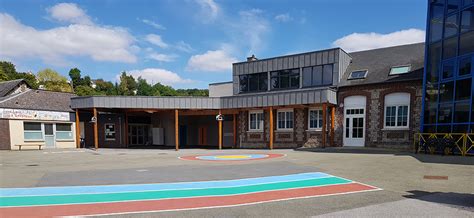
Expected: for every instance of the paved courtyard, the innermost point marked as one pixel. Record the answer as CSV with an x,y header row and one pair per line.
x,y
393,183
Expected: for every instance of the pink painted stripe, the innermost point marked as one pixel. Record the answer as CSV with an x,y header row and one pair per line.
x,y
194,157
179,204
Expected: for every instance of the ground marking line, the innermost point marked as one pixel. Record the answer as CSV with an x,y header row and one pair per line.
x,y
252,192
358,182
281,177
225,206
210,187
180,157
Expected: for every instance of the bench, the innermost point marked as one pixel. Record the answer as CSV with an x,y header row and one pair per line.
x,y
20,145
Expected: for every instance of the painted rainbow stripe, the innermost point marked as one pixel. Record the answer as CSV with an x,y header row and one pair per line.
x,y
232,157
116,199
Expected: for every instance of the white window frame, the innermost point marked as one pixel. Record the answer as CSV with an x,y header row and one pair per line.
x,y
259,127
319,115
33,131
285,128
393,74
397,109
105,135
63,140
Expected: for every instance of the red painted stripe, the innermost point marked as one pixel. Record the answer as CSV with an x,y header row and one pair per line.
x,y
194,157
183,203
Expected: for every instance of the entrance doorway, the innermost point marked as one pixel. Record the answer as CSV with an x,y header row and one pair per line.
x,y
49,140
138,134
354,121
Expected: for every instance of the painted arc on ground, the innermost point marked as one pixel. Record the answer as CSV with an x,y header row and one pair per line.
x,y
231,157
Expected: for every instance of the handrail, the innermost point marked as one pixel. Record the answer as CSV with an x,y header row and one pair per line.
x,y
464,142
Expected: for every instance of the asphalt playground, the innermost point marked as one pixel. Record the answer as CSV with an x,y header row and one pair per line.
x,y
235,183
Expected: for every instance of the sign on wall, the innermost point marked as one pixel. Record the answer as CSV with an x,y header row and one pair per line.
x,y
18,114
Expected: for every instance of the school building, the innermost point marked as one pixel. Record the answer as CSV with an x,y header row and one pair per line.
x,y
315,99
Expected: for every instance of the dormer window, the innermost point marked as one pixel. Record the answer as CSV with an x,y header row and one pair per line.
x,y
358,74
399,70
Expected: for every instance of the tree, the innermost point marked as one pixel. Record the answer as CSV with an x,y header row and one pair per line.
x,y
53,81
162,90
3,75
143,88
85,91
127,85
75,75
29,78
8,69
104,87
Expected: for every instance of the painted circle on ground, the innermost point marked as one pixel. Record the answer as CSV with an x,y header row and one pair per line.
x,y
231,157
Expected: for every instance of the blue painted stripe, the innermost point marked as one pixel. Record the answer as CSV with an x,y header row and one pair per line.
x,y
69,190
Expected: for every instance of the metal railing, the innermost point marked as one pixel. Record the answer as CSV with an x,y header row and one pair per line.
x,y
462,142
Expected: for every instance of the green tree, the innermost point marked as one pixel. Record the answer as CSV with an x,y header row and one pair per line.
x,y
53,81
143,88
104,87
75,75
8,69
3,75
29,78
127,85
162,90
85,91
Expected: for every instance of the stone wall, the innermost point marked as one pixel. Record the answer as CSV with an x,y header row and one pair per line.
x,y
4,135
376,135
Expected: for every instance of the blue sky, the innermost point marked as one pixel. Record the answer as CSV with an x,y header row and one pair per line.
x,y
190,43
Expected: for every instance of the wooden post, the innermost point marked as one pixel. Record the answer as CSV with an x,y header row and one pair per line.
x,y
96,130
333,117
176,129
78,130
235,130
324,124
270,144
126,129
220,132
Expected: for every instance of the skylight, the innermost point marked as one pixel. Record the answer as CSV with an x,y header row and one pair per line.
x,y
358,74
399,70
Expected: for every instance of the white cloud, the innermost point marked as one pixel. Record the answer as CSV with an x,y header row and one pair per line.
x,y
251,29
182,46
153,24
162,57
283,18
156,40
113,44
366,41
155,75
209,10
69,12
211,61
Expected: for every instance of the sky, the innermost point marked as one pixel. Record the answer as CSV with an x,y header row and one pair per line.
x,y
191,43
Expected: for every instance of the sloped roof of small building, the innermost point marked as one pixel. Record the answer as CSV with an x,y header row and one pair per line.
x,y
8,86
378,63
39,100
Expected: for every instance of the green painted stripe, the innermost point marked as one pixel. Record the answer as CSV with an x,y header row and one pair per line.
x,y
155,195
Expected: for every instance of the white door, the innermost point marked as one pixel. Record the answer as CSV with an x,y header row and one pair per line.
x,y
49,138
354,121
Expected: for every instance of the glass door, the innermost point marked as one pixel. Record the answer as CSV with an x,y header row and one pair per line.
x,y
354,126
49,139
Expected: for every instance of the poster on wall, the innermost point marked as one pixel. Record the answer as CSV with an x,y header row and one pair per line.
x,y
18,114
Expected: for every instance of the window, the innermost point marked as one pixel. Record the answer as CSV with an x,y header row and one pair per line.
x,y
436,22
285,119
431,103
315,119
461,113
396,110
468,2
399,70
109,132
32,131
318,75
466,43
253,82
256,120
448,70
465,66
467,20
446,91
453,5
450,47
285,79
451,26
445,113
434,62
359,74
463,89
63,131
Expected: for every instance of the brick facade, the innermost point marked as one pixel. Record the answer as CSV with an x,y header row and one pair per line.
x,y
375,134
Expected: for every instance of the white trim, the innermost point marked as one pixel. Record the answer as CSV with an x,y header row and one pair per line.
x,y
293,118
256,117
309,119
397,104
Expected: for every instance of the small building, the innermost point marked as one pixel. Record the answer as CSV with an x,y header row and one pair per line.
x,y
29,116
320,98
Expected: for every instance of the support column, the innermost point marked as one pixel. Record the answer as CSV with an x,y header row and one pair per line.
x,y
176,129
126,129
96,130
235,130
78,130
324,124
220,132
270,144
333,120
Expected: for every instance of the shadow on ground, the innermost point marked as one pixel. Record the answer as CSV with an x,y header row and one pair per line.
x,y
461,200
425,158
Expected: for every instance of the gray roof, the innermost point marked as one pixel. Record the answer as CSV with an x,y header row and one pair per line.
x,y
378,62
39,100
7,86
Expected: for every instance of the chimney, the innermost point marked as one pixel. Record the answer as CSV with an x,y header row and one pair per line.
x,y
252,58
